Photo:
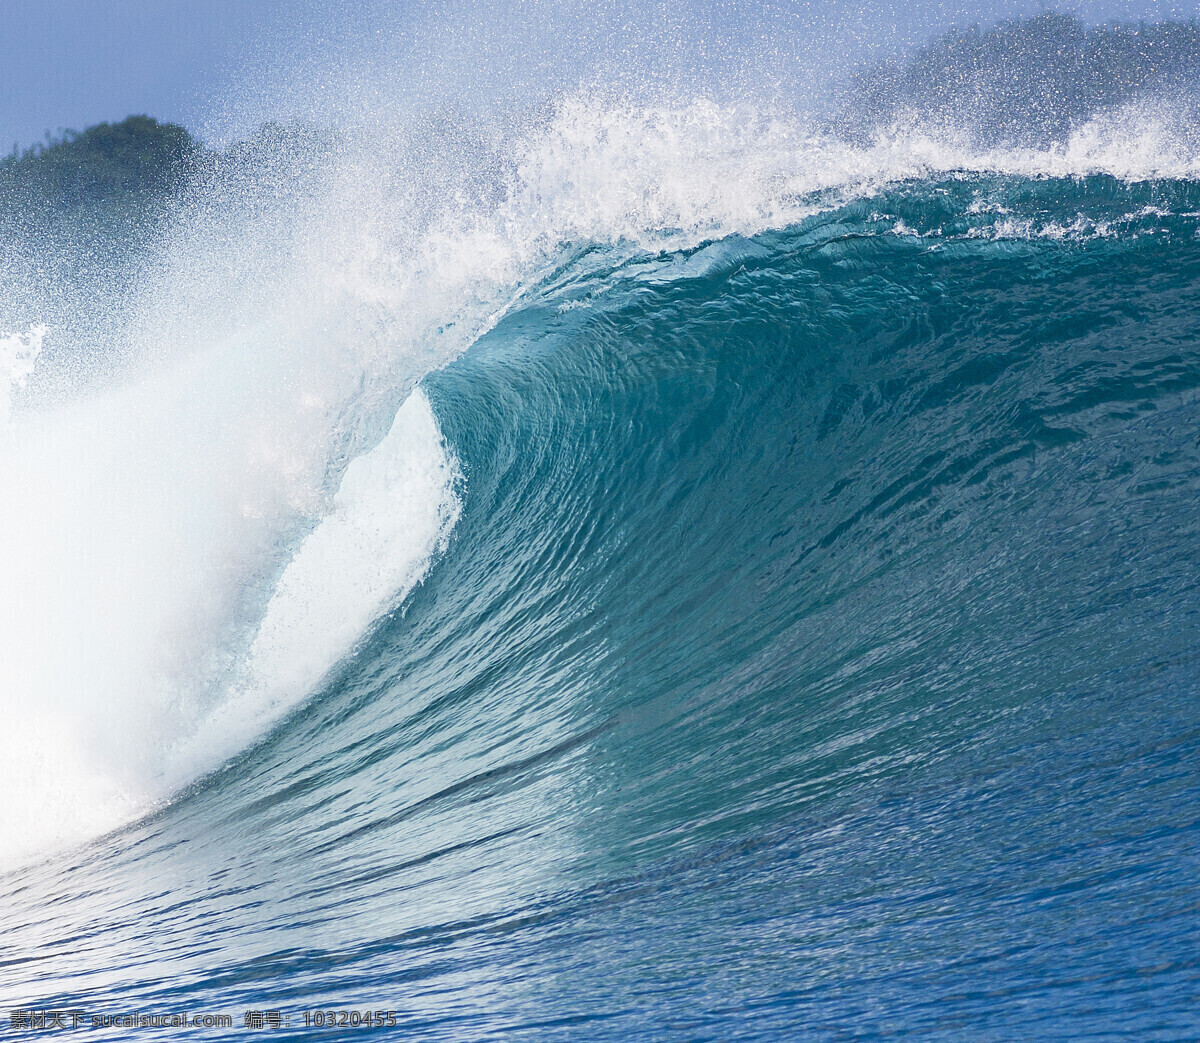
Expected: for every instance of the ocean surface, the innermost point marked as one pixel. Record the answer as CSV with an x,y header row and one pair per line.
x,y
726,585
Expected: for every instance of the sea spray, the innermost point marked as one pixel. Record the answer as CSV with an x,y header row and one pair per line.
x,y
18,355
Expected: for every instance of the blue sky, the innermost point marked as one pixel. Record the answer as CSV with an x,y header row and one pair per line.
x,y
219,65
71,63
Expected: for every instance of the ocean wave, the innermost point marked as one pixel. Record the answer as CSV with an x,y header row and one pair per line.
x,y
511,576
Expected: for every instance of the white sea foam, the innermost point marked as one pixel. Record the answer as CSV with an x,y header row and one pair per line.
x,y
18,355
393,512
123,675
602,172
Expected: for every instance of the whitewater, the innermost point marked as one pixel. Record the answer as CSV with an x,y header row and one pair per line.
x,y
648,569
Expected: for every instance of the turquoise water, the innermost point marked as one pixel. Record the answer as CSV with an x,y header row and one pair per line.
x,y
815,654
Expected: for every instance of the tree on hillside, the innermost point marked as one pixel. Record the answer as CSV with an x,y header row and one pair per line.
x,y
138,156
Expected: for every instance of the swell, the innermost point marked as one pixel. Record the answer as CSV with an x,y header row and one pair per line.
x,y
779,559
282,321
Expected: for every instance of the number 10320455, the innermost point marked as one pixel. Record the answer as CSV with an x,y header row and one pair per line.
x,y
349,1019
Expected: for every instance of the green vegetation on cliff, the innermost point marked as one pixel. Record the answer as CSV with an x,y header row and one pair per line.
x,y
104,164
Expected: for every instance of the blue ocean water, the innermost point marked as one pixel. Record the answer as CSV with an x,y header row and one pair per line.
x,y
724,583
815,655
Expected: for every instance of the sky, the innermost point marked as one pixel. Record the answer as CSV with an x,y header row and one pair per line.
x,y
72,63
218,66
